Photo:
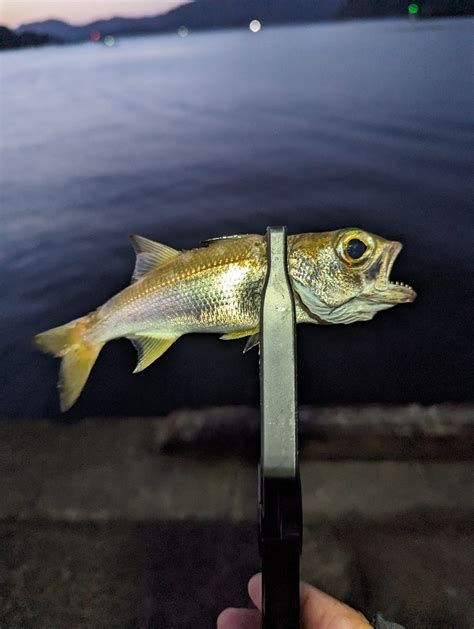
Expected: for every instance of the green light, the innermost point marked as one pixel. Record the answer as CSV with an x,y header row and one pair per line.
x,y
413,9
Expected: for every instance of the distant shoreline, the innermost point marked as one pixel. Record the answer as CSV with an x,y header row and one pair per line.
x,y
205,15
10,40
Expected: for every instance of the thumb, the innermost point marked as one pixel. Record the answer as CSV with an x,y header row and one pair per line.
x,y
318,610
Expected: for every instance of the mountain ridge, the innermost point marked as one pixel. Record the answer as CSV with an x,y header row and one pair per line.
x,y
208,14
196,15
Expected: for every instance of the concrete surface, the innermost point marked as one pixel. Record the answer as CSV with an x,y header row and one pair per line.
x,y
103,470
100,529
180,575
440,432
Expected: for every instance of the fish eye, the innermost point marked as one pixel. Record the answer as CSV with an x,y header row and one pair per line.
x,y
355,248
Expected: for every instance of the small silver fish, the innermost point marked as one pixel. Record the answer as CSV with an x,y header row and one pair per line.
x,y
338,277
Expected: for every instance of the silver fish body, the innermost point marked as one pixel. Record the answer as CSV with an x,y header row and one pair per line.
x,y
337,277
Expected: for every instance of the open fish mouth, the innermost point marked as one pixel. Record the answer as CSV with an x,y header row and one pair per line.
x,y
399,293
388,291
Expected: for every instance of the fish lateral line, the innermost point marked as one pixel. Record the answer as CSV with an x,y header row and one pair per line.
x,y
338,277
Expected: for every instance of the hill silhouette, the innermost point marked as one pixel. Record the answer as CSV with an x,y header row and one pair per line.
x,y
10,39
202,14
209,14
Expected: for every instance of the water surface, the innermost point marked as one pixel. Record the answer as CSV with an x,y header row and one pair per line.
x,y
315,127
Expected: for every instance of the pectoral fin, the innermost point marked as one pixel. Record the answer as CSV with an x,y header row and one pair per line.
x,y
240,334
149,348
150,255
253,335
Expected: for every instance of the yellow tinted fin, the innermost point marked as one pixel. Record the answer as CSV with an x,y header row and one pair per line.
x,y
78,357
149,348
150,255
240,334
75,369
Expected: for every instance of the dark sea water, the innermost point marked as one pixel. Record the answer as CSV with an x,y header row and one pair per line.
x,y
315,127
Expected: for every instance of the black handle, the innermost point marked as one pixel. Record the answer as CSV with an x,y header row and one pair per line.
x,y
280,549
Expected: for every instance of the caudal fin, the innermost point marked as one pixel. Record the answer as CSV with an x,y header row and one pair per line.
x,y
78,357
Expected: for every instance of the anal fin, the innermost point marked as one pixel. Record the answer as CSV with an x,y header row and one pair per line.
x,y
149,349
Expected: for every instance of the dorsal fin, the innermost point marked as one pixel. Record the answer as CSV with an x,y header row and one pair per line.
x,y
210,241
150,255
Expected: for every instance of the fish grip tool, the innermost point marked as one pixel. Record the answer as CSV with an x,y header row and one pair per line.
x,y
280,506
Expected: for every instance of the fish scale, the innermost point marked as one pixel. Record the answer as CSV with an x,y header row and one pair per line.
x,y
203,290
337,277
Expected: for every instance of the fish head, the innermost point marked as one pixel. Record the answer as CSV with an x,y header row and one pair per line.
x,y
344,276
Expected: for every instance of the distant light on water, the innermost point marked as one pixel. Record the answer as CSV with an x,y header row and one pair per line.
x,y
255,26
95,35
413,9
109,40
183,31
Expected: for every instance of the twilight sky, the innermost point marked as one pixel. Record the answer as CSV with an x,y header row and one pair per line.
x,y
15,12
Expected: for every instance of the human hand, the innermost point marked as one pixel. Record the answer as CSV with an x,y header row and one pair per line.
x,y
318,611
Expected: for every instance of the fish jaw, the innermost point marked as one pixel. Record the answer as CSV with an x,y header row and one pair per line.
x,y
385,290
337,288
397,293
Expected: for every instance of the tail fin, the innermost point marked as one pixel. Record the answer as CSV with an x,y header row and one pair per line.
x,y
78,357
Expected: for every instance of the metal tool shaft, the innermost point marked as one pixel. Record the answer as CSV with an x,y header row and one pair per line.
x,y
279,482
278,363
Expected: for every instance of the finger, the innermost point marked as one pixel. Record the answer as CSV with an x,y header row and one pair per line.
x,y
318,610
321,611
255,590
232,618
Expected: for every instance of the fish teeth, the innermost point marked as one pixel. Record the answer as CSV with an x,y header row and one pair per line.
x,y
402,284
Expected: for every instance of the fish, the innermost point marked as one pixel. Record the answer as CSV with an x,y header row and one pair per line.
x,y
337,277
